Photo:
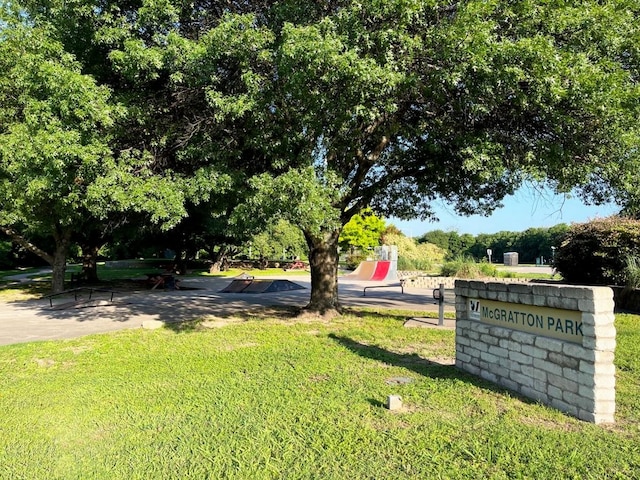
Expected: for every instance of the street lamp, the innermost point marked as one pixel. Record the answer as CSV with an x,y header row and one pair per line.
x,y
553,254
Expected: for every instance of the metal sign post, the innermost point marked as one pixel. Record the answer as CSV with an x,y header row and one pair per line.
x,y
441,306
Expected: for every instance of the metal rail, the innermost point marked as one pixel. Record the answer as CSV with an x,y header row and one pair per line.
x,y
75,292
401,285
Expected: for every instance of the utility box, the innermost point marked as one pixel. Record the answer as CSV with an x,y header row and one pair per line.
x,y
511,259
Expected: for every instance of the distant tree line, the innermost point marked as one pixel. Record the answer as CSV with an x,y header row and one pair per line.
x,y
531,244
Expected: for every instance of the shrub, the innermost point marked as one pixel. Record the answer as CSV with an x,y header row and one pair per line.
x,y
596,253
632,272
354,259
409,264
414,256
6,259
467,267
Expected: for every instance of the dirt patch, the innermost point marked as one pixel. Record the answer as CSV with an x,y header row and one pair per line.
x,y
44,362
79,349
216,322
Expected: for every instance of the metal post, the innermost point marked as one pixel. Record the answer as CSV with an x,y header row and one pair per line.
x,y
441,306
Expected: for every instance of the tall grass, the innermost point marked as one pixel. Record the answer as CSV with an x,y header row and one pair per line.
x,y
467,267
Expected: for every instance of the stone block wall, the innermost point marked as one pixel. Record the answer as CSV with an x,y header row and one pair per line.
x,y
417,280
505,334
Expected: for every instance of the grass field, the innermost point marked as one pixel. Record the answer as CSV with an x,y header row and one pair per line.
x,y
273,398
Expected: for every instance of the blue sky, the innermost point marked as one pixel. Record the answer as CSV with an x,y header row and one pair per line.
x,y
526,209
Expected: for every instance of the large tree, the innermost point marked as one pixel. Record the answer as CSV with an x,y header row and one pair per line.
x,y
52,141
395,104
334,106
60,176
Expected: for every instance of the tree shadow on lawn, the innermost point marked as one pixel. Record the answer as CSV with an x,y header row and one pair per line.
x,y
288,314
421,366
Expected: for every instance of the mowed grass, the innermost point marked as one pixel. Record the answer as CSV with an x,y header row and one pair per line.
x,y
268,397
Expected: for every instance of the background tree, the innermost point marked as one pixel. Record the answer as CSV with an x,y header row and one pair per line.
x,y
279,240
362,232
452,242
52,142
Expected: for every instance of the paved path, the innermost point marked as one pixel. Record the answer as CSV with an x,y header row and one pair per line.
x,y
35,319
527,269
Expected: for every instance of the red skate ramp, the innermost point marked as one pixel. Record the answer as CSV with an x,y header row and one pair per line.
x,y
376,270
381,271
260,286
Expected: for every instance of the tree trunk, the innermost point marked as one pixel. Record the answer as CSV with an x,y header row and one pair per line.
x,y
180,262
20,240
90,262
59,264
58,260
220,260
59,267
323,260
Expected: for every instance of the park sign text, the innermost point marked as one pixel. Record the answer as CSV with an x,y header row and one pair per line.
x,y
557,323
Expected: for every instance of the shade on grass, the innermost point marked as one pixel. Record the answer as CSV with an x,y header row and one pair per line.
x,y
274,399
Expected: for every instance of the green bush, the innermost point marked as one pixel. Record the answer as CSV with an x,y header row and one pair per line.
x,y
597,252
632,272
6,259
467,267
354,259
414,256
408,264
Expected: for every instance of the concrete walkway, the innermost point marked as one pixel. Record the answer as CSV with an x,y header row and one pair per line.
x,y
36,320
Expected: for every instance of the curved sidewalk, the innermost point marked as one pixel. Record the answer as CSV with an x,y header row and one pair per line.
x,y
35,320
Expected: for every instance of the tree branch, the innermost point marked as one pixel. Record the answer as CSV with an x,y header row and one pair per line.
x,y
20,240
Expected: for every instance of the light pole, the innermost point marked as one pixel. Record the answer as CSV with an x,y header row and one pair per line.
x,y
489,252
553,255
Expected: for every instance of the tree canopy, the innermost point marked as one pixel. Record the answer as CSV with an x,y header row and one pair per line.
x,y
363,231
318,110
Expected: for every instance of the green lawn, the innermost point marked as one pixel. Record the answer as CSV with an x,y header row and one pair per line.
x,y
272,398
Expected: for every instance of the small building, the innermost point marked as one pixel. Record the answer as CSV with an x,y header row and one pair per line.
x,y
511,259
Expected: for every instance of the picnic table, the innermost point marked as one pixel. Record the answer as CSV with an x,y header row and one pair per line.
x,y
163,280
297,265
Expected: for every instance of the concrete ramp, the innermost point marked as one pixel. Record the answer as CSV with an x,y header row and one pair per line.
x,y
376,270
261,286
364,271
236,286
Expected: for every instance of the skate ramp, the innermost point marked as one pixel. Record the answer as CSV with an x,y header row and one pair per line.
x,y
236,286
375,270
364,271
382,271
260,286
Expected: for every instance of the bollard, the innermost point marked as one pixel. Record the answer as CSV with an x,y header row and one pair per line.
x,y
394,402
441,306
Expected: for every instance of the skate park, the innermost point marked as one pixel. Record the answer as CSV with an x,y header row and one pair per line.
x,y
202,297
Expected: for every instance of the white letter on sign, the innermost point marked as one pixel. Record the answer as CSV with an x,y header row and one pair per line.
x,y
474,309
